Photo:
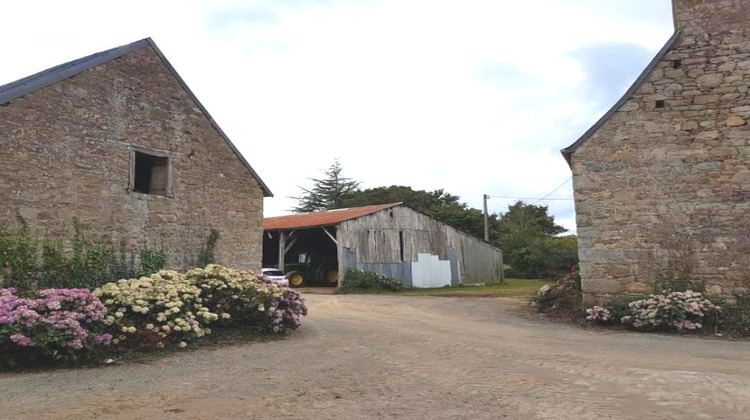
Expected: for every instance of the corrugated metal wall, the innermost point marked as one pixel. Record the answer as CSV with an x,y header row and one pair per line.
x,y
479,262
398,235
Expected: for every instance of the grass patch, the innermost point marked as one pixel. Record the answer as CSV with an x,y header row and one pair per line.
x,y
511,288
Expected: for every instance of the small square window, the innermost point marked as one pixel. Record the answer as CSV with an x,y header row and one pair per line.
x,y
151,174
676,64
660,103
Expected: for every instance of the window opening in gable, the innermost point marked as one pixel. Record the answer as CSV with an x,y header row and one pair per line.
x,y
676,64
660,104
151,174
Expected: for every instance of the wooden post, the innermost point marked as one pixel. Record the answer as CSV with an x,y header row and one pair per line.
x,y
282,249
486,220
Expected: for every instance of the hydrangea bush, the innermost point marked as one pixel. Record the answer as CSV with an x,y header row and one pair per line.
x,y
561,297
674,310
55,323
175,308
155,310
599,315
242,297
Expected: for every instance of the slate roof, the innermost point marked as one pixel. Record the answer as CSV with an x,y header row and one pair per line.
x,y
321,218
21,87
566,152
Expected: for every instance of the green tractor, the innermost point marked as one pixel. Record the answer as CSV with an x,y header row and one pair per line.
x,y
308,271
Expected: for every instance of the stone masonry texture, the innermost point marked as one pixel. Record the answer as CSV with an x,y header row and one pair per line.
x,y
66,154
664,184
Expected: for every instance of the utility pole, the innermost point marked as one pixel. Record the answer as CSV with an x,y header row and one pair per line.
x,y
486,220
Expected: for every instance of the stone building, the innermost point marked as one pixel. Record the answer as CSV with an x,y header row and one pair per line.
x,y
662,180
118,144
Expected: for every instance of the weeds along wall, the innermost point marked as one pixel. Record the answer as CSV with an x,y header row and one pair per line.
x,y
28,263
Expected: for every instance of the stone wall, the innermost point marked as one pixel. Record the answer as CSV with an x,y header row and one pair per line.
x,y
67,150
664,184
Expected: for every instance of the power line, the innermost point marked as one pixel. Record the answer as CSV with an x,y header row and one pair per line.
x,y
545,198
553,191
531,198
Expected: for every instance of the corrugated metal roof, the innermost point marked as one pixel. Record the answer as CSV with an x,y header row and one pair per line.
x,y
29,84
321,218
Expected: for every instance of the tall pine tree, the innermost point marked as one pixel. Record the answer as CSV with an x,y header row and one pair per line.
x,y
326,193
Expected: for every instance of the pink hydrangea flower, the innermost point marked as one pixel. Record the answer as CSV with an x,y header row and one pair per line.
x,y
21,340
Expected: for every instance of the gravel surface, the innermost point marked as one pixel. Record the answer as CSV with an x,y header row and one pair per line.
x,y
376,356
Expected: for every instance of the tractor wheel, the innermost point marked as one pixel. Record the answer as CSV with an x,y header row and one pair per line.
x,y
295,279
329,276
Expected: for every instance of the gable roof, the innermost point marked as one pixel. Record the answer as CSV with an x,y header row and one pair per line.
x,y
566,152
29,84
321,218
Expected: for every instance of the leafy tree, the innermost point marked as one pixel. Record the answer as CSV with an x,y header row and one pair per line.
x,y
530,243
522,217
417,199
326,193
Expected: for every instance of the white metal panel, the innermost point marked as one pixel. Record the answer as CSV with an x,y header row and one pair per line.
x,y
429,272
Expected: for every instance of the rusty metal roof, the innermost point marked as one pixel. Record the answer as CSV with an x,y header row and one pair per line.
x,y
321,218
30,84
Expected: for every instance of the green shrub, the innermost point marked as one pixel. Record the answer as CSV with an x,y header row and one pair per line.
x,y
619,306
733,319
86,265
538,257
18,259
123,263
151,261
676,281
208,253
28,264
359,280
563,296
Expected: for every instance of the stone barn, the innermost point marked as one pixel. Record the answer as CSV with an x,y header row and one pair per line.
x,y
390,239
662,180
117,144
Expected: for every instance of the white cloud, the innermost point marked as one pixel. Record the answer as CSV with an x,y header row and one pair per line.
x,y
472,97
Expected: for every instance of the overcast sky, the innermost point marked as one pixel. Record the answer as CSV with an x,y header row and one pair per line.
x,y
469,96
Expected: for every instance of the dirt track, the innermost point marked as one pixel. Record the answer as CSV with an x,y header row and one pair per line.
x,y
362,357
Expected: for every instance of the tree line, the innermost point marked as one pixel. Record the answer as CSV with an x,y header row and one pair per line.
x,y
533,244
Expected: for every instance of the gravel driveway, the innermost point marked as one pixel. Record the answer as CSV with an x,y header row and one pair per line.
x,y
366,357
